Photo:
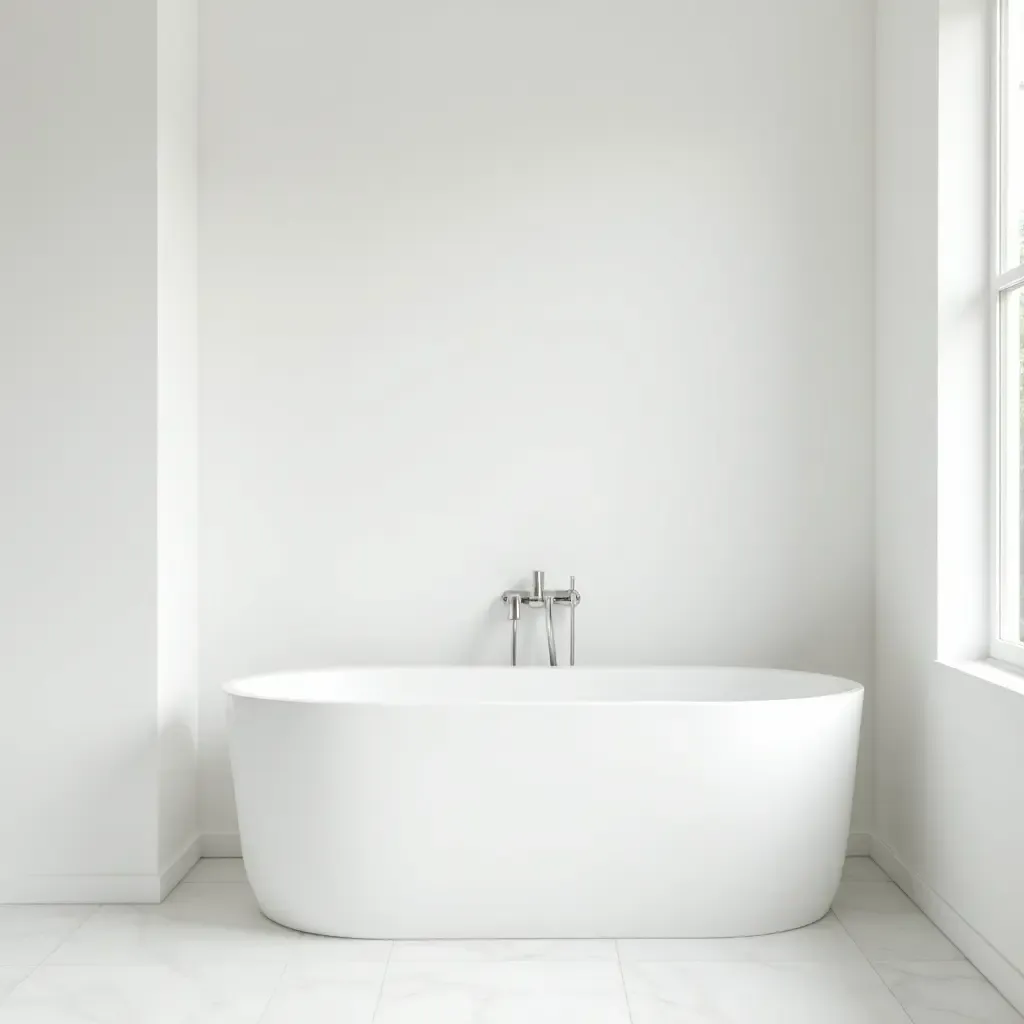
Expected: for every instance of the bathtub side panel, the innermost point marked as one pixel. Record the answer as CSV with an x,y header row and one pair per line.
x,y
532,820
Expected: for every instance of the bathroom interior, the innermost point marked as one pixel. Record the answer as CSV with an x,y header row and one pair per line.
x,y
511,511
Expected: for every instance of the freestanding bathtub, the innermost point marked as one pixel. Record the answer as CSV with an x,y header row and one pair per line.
x,y
521,803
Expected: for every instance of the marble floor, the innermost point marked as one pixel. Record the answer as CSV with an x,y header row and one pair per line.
x,y
207,956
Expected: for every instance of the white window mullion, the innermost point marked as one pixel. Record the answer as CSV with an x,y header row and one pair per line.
x,y
1011,279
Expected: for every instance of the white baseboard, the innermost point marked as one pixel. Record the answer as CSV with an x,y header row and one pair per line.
x,y
1003,975
100,888
178,868
220,844
858,845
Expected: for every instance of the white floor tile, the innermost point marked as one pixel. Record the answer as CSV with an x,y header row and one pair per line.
x,y
947,993
212,892
149,994
10,977
887,926
863,869
342,994
759,993
28,934
218,922
503,993
825,940
469,950
321,949
218,869
208,956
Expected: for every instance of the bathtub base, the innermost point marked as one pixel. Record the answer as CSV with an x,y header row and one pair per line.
x,y
483,930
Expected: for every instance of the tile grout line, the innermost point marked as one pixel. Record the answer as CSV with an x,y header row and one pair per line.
x,y
273,992
383,978
874,968
70,935
963,957
32,968
622,978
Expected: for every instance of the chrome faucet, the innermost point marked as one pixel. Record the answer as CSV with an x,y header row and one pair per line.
x,y
538,597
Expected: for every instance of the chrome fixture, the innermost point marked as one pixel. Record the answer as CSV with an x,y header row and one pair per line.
x,y
514,602
538,597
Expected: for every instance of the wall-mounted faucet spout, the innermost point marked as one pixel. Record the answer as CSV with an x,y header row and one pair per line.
x,y
538,597
514,604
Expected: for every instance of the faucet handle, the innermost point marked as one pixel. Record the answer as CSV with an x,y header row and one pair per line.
x,y
514,603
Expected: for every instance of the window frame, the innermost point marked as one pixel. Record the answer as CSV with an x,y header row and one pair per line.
x,y
1009,437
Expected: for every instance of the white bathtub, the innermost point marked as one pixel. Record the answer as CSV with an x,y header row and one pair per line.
x,y
520,803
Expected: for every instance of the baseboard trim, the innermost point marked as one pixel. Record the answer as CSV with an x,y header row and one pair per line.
x,y
100,888
989,961
178,868
220,844
858,845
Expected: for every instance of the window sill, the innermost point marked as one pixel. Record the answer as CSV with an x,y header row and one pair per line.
x,y
1009,677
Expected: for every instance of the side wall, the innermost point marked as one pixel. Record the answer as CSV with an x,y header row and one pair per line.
x,y
564,286
950,768
78,587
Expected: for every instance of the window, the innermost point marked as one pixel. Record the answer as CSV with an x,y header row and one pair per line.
x,y
1008,291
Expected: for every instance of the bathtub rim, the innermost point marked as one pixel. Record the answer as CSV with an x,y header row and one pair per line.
x,y
243,687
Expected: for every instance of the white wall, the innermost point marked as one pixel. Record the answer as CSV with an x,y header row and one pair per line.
x,y
949,786
578,287
80,593
177,424
77,437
